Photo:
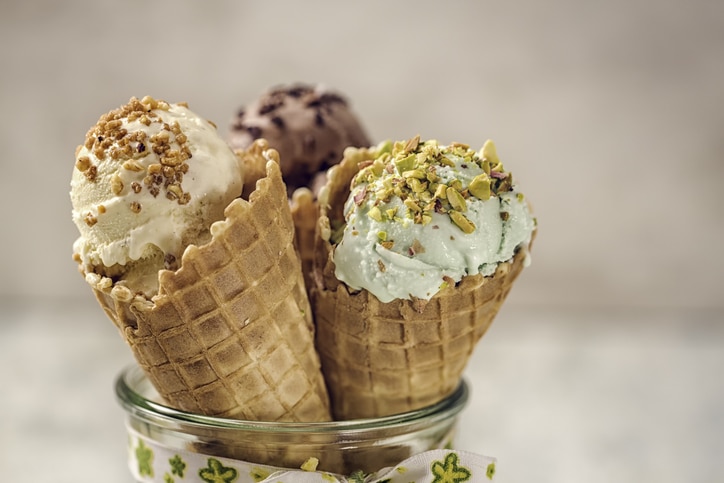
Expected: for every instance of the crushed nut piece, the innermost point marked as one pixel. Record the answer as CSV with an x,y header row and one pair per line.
x,y
480,187
83,163
462,222
116,184
416,247
174,192
375,213
455,199
91,173
132,166
90,219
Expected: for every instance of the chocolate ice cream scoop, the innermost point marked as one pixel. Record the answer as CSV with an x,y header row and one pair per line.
x,y
310,126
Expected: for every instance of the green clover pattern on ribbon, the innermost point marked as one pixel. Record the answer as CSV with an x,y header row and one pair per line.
x,y
490,472
178,466
152,463
144,456
215,472
450,470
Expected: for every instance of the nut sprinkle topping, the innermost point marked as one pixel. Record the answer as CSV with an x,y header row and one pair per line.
x,y
113,137
414,168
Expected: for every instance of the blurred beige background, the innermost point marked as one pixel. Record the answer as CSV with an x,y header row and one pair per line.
x,y
610,114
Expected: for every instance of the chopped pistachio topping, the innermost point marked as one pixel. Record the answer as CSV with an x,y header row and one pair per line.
x,y
375,214
462,222
416,247
480,187
409,170
456,200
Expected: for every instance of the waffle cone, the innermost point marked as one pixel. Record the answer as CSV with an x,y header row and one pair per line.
x,y
230,333
387,358
305,213
303,205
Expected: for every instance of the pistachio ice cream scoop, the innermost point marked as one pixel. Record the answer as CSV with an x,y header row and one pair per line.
x,y
418,245
421,216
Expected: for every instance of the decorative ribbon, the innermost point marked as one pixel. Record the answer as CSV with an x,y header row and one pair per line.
x,y
151,462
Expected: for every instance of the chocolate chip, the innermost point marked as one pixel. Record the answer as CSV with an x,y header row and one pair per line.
x,y
278,122
254,131
270,106
318,119
309,143
331,98
169,262
297,91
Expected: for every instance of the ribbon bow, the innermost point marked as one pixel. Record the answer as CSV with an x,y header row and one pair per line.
x,y
150,462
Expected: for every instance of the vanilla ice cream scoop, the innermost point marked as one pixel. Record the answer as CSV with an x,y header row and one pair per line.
x,y
422,215
149,180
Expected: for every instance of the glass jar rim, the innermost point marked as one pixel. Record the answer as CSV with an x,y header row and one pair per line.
x,y
130,398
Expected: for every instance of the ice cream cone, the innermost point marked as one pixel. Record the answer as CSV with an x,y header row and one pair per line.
x,y
230,333
387,358
303,204
305,213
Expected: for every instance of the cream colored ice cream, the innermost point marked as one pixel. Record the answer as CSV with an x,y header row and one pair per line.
x,y
205,286
149,180
422,215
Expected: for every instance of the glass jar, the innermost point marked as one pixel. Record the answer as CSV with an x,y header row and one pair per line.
x,y
341,447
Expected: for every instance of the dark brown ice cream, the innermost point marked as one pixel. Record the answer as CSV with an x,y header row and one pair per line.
x,y
309,125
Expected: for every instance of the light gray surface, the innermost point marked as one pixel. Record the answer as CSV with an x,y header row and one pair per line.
x,y
557,396
608,113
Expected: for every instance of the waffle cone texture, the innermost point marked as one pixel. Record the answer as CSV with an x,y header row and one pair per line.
x,y
303,204
305,213
387,358
230,333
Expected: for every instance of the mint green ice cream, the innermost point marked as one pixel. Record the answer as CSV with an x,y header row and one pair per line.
x,y
422,215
